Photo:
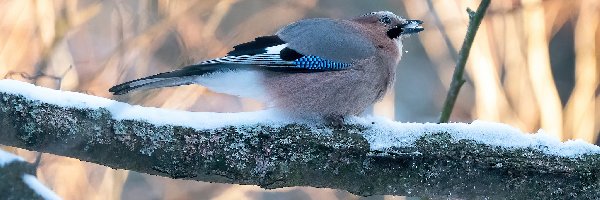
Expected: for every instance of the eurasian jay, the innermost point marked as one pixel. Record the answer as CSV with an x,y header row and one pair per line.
x,y
321,67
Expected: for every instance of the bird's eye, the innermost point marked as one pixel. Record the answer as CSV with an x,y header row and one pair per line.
x,y
371,13
385,20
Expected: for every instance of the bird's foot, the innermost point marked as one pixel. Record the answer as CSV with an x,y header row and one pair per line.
x,y
336,121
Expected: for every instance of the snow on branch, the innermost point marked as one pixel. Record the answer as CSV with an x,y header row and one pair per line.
x,y
18,181
367,156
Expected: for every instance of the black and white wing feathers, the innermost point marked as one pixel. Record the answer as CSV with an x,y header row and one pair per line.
x,y
272,53
312,45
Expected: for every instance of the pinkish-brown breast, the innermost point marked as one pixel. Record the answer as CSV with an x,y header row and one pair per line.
x,y
331,93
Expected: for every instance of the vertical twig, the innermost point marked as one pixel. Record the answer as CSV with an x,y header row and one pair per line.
x,y
457,78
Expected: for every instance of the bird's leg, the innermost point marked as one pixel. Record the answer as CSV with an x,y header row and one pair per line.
x,y
336,121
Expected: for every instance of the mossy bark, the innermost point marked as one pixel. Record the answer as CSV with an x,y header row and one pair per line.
x,y
438,166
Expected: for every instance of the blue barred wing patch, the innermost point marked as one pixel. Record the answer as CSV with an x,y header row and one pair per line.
x,y
315,62
309,62
278,57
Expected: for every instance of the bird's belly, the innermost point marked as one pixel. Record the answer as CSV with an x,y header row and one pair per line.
x,y
324,94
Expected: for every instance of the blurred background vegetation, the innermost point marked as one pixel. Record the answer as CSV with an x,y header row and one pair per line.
x,y
534,64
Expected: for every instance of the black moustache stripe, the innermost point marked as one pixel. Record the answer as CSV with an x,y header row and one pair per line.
x,y
394,32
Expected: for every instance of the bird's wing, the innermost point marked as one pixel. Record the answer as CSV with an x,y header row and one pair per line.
x,y
332,39
306,46
311,45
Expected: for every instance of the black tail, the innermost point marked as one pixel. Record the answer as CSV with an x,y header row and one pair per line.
x,y
184,76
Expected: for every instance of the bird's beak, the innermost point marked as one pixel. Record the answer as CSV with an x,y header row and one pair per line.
x,y
412,26
406,28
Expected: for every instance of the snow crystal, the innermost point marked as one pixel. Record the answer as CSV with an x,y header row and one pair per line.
x,y
384,134
39,188
6,158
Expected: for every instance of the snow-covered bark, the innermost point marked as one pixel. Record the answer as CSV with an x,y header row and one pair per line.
x,y
367,156
17,180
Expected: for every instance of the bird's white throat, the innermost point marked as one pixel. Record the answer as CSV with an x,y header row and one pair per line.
x,y
398,42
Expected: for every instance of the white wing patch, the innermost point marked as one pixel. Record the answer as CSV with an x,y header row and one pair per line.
x,y
271,57
275,49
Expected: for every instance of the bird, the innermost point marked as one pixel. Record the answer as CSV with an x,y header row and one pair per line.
x,y
320,68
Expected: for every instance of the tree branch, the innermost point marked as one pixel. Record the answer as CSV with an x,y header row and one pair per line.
x,y
13,173
457,78
364,158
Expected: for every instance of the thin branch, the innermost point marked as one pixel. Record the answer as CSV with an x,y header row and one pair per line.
x,y
12,185
457,78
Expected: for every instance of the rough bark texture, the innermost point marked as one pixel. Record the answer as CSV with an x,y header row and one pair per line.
x,y
297,155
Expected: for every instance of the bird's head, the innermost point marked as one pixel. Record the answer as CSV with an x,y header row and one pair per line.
x,y
394,26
